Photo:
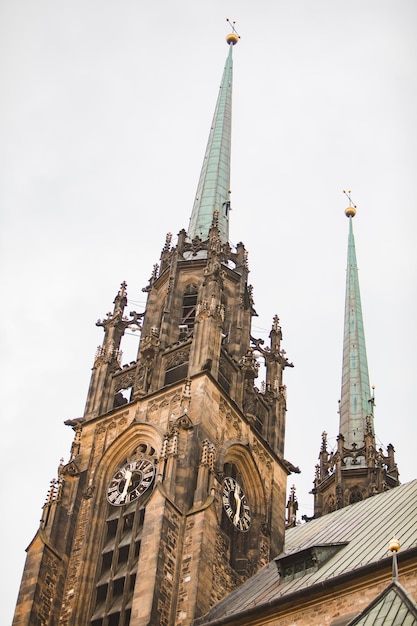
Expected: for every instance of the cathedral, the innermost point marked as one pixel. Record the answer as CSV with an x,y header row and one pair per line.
x,y
171,509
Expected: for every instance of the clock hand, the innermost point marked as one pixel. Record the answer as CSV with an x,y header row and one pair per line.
x,y
238,501
128,478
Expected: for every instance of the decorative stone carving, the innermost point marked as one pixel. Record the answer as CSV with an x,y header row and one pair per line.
x,y
125,381
89,492
70,469
177,358
149,344
184,422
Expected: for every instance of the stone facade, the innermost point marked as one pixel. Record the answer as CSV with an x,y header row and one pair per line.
x,y
340,480
189,406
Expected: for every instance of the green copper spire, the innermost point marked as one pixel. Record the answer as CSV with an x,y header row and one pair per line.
x,y
214,184
356,400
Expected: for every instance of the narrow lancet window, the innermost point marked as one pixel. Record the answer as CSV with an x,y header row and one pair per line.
x,y
189,305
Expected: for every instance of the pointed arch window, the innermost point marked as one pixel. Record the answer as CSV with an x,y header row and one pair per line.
x,y
238,541
189,306
355,495
330,505
116,572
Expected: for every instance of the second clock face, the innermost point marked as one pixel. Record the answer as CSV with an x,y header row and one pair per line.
x,y
235,504
130,482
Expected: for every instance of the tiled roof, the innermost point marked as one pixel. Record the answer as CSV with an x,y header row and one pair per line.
x,y
333,545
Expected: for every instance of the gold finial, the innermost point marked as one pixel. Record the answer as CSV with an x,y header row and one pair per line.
x,y
394,545
351,210
233,37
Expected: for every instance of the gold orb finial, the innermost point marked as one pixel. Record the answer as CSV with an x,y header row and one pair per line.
x,y
351,210
394,545
233,37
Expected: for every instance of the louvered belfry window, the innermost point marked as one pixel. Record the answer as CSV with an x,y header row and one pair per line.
x,y
117,566
117,571
189,305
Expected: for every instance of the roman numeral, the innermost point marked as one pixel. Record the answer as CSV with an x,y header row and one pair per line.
x,y
228,509
244,524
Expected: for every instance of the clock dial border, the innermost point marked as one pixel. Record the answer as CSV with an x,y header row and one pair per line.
x,y
235,505
130,481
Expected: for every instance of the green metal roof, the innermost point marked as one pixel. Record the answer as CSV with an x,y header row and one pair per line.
x,y
345,542
393,607
356,399
214,184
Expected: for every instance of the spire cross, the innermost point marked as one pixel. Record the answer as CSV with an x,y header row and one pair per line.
x,y
232,24
349,198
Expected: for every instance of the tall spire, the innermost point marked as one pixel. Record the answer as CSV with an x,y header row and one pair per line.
x,y
355,469
214,185
356,399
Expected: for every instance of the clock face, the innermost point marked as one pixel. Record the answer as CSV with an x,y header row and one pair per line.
x,y
130,482
235,504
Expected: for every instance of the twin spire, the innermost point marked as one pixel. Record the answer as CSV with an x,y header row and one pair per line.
x,y
356,400
357,442
213,194
213,189
356,469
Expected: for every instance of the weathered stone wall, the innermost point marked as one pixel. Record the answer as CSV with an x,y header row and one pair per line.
x,y
224,578
169,554
343,602
41,584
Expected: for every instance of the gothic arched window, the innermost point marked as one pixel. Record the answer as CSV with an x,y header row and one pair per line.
x,y
189,305
237,540
330,505
355,495
121,543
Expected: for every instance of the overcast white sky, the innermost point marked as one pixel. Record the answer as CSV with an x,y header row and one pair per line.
x,y
105,110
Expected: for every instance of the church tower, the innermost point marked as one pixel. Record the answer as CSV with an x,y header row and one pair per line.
x,y
356,469
174,492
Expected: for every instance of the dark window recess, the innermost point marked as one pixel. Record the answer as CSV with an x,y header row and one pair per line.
x,y
118,587
123,554
137,549
237,541
355,496
111,529
305,561
293,568
116,573
107,559
189,305
101,594
123,396
176,373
